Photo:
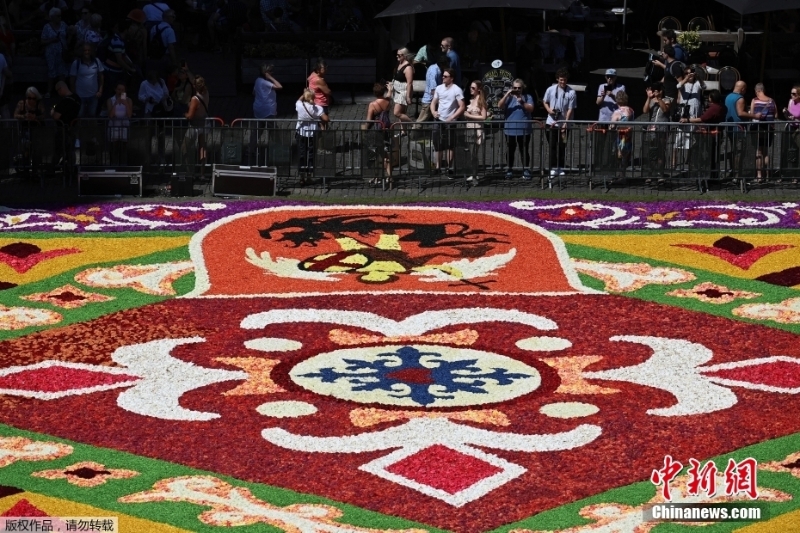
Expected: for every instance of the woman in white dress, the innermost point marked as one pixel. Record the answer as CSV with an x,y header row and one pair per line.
x,y
120,110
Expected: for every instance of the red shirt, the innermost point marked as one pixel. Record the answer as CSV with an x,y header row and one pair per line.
x,y
714,114
320,98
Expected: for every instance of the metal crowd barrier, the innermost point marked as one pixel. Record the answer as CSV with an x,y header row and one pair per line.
x,y
360,156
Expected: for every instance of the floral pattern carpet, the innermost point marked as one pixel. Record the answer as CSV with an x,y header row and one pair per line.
x,y
469,367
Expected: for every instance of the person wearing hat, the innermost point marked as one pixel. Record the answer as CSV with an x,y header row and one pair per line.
x,y
607,96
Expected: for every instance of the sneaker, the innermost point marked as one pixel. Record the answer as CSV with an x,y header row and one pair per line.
x,y
561,172
470,178
526,174
553,172
509,175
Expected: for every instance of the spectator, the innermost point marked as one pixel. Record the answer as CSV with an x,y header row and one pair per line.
x,y
622,113
153,94
447,107
83,25
658,107
476,113
5,77
715,112
197,115
7,38
154,12
94,35
310,117
64,112
433,78
54,39
428,53
403,84
792,113
455,62
120,110
560,101
607,96
229,15
136,38
378,115
734,103
792,110
161,45
669,38
764,106
86,81
668,63
116,63
31,108
517,106
689,104
265,104
183,90
318,85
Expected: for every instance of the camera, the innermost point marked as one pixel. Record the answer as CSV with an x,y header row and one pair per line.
x,y
608,87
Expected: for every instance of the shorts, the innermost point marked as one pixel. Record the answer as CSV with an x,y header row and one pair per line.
x,y
399,92
443,135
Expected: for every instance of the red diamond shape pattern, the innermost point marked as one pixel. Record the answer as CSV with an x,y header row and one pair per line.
x,y
443,468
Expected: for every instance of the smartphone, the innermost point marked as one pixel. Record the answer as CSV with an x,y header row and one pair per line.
x,y
608,87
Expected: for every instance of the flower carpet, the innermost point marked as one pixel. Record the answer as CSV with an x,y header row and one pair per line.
x,y
509,367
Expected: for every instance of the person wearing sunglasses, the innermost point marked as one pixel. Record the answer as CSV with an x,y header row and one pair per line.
x,y
607,96
517,107
31,107
447,107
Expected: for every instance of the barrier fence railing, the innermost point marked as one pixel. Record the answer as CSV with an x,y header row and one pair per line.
x,y
361,155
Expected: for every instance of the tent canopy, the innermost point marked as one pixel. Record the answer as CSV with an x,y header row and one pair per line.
x,y
412,7
747,7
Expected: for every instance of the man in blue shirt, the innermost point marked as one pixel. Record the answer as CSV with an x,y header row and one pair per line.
x,y
455,62
433,78
670,39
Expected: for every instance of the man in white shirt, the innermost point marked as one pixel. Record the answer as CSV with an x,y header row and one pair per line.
x,y
447,106
86,81
560,101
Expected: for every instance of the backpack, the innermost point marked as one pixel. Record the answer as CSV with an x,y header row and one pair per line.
x,y
383,121
156,48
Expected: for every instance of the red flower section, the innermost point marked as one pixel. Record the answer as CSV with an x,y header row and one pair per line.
x,y
23,256
444,469
736,252
777,374
59,379
26,509
175,215
567,213
631,445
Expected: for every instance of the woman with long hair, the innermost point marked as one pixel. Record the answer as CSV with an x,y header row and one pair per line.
x,y
403,84
476,113
197,115
378,118
319,87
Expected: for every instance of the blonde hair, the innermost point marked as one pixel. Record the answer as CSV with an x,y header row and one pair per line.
x,y
308,96
405,53
200,85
